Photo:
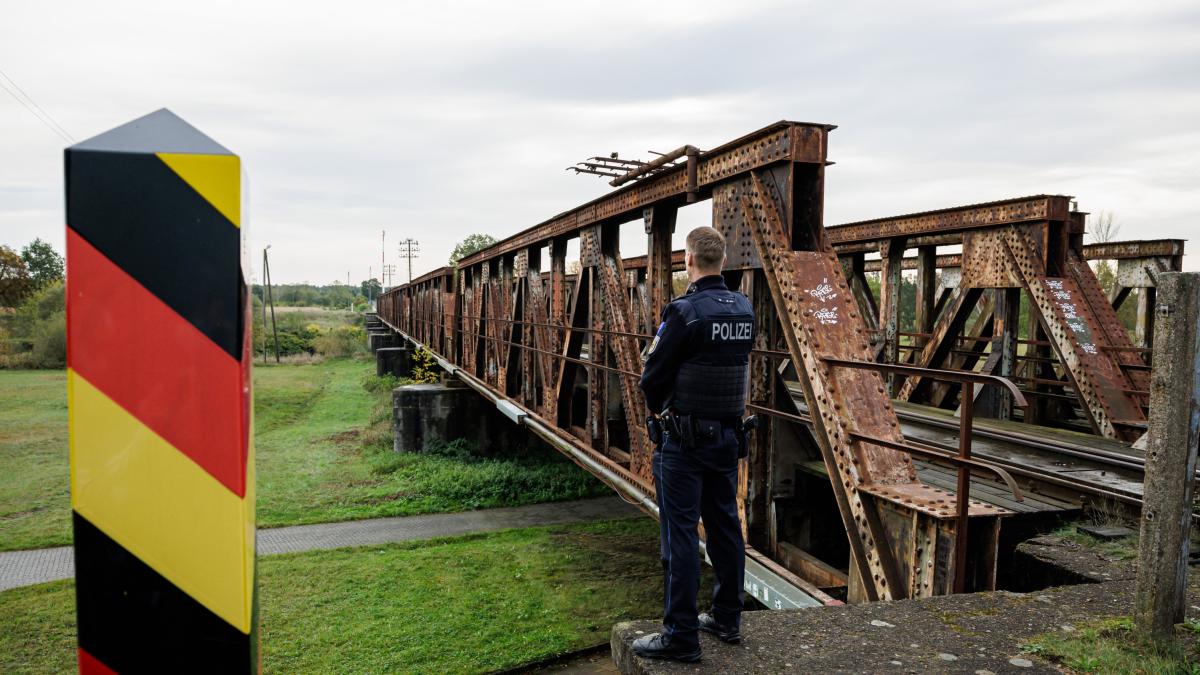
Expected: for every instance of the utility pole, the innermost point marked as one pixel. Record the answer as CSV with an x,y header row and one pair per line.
x,y
409,249
383,259
268,296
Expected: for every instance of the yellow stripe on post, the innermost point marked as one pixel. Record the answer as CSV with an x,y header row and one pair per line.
x,y
217,178
160,505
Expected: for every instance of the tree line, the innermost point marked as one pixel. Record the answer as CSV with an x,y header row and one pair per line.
x,y
33,318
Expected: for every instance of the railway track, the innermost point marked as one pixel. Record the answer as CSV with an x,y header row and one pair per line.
x,y
1062,469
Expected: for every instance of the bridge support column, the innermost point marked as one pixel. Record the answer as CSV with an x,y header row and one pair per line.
x,y
393,361
382,339
426,415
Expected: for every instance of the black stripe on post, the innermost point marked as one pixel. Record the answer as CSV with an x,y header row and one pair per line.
x,y
133,619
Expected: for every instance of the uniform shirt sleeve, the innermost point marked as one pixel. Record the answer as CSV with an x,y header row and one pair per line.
x,y
665,354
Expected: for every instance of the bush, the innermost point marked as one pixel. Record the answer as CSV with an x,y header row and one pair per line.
x,y
340,341
50,342
38,331
425,367
377,384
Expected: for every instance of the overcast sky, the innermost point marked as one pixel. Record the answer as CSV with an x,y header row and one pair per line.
x,y
437,120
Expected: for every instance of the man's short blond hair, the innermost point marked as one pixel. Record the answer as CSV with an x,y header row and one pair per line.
x,y
707,246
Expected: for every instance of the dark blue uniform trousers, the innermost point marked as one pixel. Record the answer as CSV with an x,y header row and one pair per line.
x,y
694,484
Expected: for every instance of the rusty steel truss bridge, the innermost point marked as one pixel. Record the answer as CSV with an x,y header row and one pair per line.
x,y
894,449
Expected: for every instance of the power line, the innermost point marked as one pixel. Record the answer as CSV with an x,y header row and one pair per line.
x,y
35,109
40,109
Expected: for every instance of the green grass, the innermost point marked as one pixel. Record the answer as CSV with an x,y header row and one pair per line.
x,y
325,454
463,604
35,500
1113,646
39,629
323,445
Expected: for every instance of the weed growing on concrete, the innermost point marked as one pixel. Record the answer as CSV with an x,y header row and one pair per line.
x,y
1114,646
425,367
1124,548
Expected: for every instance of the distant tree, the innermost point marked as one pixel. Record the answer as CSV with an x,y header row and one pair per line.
x,y
44,263
473,243
371,288
15,281
1106,230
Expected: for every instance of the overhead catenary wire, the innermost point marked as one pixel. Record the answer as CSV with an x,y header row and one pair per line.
x,y
32,106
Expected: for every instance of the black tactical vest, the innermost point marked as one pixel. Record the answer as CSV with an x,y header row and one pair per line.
x,y
711,382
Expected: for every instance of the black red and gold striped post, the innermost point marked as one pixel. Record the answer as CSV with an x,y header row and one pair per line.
x,y
158,357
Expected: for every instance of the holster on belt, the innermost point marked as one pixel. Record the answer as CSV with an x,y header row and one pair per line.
x,y
743,434
654,429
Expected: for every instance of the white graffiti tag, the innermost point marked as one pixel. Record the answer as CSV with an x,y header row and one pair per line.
x,y
823,292
826,315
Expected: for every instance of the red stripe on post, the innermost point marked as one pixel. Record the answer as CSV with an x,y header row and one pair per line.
x,y
155,364
90,665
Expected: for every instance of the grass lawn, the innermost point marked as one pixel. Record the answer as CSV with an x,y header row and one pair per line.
x,y
323,444
463,604
35,500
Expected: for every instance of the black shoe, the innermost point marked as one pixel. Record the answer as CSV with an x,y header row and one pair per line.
x,y
658,646
708,624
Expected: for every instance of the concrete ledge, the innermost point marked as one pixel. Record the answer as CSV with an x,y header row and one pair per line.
x,y
1050,560
974,633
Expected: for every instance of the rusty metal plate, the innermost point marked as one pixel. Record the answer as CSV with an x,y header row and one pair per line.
x,y
832,328
520,263
984,263
932,501
1094,370
727,218
1113,331
589,246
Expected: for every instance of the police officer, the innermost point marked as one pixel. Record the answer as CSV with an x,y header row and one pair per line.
x,y
695,380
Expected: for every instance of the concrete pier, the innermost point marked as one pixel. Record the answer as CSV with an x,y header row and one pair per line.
x,y
426,414
393,361
381,339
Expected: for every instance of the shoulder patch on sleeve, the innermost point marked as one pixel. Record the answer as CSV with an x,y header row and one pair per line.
x,y
653,344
